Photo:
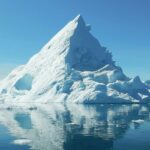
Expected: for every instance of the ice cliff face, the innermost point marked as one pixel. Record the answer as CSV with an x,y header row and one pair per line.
x,y
72,67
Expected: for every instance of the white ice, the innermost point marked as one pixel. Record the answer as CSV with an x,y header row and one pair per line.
x,y
72,68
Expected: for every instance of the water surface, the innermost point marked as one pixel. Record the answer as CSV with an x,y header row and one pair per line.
x,y
75,127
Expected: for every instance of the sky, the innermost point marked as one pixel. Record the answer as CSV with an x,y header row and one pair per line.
x,y
123,26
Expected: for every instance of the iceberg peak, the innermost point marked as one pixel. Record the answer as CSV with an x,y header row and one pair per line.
x,y
79,18
80,23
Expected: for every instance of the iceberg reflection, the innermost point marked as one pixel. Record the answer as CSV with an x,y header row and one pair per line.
x,y
72,127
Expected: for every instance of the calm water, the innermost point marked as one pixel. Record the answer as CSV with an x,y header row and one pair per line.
x,y
75,127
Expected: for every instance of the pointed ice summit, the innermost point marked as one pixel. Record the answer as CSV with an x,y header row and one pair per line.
x,y
72,67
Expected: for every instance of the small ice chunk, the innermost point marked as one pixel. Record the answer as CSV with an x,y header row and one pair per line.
x,y
138,121
21,141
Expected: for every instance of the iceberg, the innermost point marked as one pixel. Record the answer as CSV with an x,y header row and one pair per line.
x,y
72,67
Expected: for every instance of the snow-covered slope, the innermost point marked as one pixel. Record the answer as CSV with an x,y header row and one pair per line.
x,y
72,67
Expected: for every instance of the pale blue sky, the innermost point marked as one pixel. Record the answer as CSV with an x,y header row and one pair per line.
x,y
121,25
